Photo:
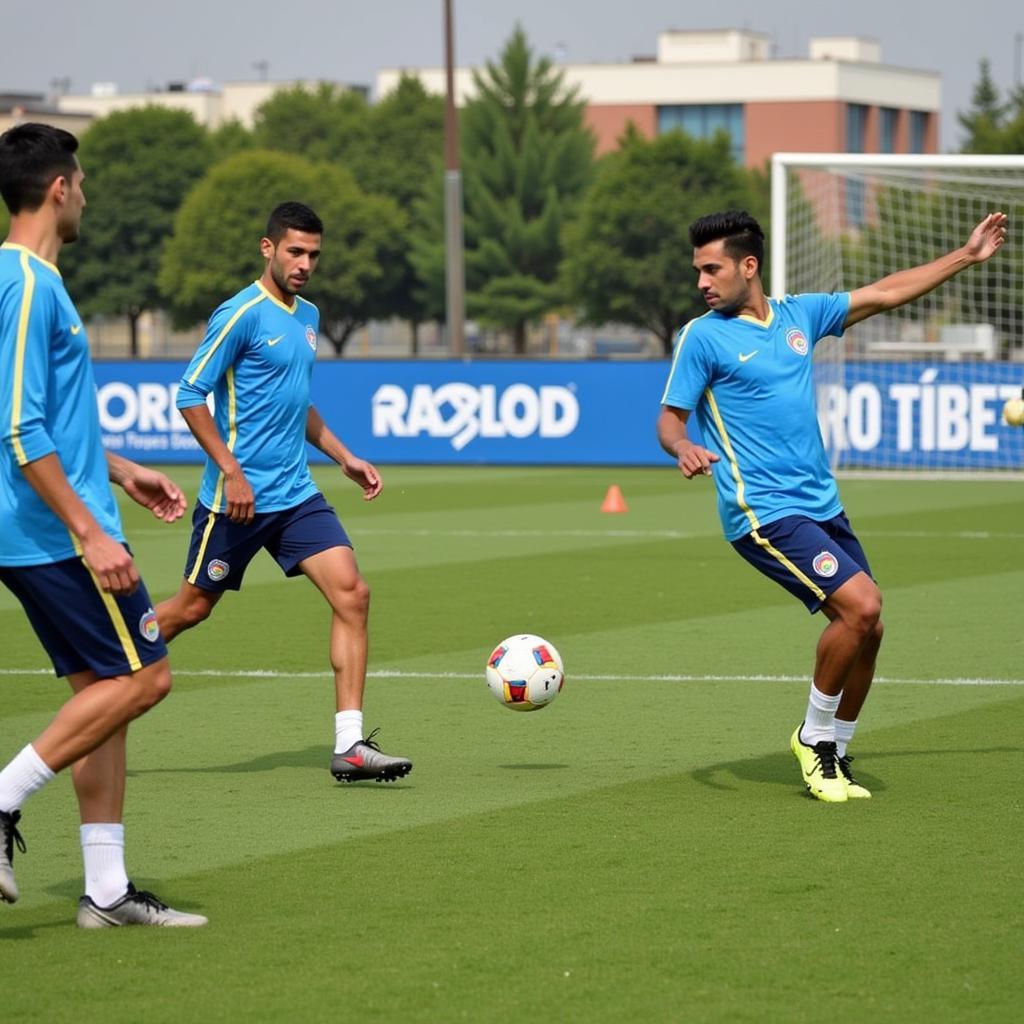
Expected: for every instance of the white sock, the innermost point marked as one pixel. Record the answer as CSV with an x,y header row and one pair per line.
x,y
844,733
106,880
819,722
348,730
21,778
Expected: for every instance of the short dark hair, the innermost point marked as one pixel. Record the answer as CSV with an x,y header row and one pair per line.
x,y
743,235
31,157
295,216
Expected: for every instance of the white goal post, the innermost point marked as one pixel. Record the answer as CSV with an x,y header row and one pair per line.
x,y
922,387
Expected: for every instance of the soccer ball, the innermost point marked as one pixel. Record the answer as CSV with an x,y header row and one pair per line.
x,y
525,673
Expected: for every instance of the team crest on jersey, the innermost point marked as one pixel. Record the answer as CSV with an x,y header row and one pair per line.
x,y
825,564
311,336
217,570
149,628
796,341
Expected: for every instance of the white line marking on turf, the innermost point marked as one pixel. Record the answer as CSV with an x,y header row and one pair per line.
x,y
388,673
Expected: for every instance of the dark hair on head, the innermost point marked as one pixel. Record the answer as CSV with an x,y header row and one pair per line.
x,y
295,216
743,235
31,157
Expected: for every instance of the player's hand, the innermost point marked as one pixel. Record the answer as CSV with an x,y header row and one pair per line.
x,y
111,564
241,502
693,460
159,493
987,238
364,474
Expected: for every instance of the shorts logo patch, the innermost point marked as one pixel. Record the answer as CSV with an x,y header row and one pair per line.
x,y
311,336
796,341
217,570
149,628
825,564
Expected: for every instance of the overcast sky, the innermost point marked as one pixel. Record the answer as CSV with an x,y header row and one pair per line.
x,y
141,43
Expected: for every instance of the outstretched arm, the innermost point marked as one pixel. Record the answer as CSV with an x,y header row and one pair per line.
x,y
906,285
358,470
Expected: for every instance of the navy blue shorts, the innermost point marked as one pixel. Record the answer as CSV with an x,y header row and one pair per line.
x,y
810,559
80,626
220,550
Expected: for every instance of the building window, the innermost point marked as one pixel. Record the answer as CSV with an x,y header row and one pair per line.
x,y
856,127
888,120
704,121
918,130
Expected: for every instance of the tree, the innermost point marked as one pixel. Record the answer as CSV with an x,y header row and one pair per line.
x,y
328,123
629,256
527,159
983,122
215,249
139,165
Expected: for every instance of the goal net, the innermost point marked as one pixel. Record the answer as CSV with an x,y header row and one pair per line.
x,y
921,387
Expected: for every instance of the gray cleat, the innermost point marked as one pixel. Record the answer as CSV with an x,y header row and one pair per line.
x,y
9,838
135,907
364,760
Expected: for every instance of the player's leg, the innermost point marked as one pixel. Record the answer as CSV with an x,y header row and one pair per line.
x,y
310,540
219,552
801,556
187,608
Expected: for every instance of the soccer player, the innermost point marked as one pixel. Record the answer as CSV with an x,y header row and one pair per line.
x,y
62,552
744,370
257,358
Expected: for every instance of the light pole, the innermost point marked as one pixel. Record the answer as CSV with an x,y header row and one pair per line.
x,y
454,278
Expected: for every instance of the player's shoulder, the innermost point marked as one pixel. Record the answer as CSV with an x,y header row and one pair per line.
x,y
698,329
20,265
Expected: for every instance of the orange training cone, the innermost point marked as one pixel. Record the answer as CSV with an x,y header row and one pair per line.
x,y
614,501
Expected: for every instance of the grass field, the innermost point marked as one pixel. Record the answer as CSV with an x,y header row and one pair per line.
x,y
642,850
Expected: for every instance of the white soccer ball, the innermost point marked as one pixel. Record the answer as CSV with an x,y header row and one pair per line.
x,y
525,673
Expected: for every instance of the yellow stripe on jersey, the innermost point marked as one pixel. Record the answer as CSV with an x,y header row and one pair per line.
x,y
775,553
19,356
679,349
117,620
223,334
733,462
194,574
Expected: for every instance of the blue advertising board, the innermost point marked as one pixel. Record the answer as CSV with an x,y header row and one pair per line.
x,y
883,415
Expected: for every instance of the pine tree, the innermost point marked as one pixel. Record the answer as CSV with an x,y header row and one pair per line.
x,y
527,158
983,122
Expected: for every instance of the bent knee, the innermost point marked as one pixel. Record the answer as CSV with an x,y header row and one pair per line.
x,y
153,684
353,601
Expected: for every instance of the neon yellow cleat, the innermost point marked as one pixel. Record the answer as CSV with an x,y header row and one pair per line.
x,y
818,765
854,790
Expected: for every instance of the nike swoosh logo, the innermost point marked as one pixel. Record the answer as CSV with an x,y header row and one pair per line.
x,y
357,761
76,328
271,342
744,356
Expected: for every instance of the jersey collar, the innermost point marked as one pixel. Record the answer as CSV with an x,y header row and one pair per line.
x,y
290,310
24,248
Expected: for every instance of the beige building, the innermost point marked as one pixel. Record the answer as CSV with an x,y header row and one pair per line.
x,y
211,104
19,107
840,98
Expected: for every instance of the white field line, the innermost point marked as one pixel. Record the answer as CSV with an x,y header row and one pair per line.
x,y
387,673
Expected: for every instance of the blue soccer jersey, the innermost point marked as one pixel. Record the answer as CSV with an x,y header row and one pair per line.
x,y
257,359
47,404
749,384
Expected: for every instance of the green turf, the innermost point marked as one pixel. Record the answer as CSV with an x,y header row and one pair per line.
x,y
642,850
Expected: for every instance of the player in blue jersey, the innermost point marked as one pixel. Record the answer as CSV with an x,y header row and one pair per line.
x,y
257,492
62,551
743,370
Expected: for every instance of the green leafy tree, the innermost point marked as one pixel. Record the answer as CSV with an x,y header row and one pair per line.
x,y
139,165
328,123
215,247
230,138
527,159
629,255
983,122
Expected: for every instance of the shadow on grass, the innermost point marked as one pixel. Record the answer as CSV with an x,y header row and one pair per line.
x,y
29,931
780,768
310,757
